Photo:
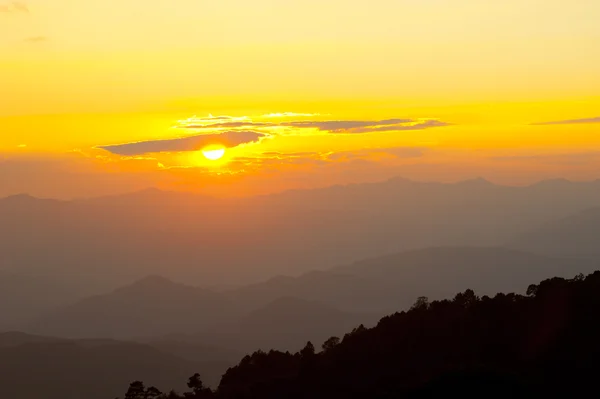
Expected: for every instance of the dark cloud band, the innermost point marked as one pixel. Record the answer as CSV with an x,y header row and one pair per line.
x,y
229,125
571,122
333,127
357,127
192,143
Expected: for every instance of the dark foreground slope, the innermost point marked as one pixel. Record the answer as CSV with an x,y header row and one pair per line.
x,y
544,344
389,283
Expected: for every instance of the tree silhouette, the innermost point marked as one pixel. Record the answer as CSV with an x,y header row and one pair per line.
x,y
541,345
422,303
506,346
308,351
137,390
330,344
199,391
171,395
466,299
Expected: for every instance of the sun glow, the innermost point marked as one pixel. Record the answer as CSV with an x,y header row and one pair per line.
x,y
213,154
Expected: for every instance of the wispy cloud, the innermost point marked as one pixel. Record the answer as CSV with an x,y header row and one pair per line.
x,y
326,126
228,125
36,39
317,158
211,120
279,159
336,126
220,122
358,127
395,152
230,131
574,158
288,115
14,7
413,125
191,143
571,121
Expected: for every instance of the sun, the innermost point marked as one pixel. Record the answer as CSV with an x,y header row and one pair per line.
x,y
213,155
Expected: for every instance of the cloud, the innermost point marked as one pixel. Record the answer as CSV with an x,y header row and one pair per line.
x,y
396,152
574,158
230,131
268,163
338,126
191,143
410,126
229,125
14,7
571,122
36,39
290,154
288,115
358,127
276,160
328,126
211,120
220,122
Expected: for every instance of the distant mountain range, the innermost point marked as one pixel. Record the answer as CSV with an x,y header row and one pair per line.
x,y
23,298
104,273
107,242
155,310
150,307
393,282
540,345
513,343
577,235
286,324
284,312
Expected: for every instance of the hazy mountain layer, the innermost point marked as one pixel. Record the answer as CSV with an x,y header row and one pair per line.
x,y
572,236
107,242
286,311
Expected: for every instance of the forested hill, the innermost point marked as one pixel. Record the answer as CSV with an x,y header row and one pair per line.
x,y
543,344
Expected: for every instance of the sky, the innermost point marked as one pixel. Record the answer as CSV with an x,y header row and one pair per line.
x,y
104,97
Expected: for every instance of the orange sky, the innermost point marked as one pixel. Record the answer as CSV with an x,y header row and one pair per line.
x,y
309,93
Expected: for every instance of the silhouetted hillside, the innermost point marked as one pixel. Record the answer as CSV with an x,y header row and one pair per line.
x,y
285,324
318,304
392,282
187,347
544,344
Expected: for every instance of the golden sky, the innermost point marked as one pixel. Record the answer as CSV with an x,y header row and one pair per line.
x,y
301,93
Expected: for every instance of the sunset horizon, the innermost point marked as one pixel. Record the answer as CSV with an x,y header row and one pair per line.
x,y
450,91
285,199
